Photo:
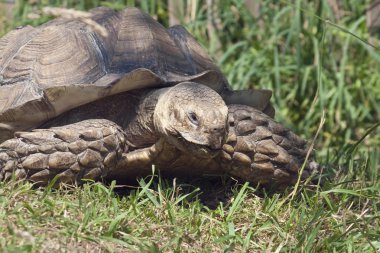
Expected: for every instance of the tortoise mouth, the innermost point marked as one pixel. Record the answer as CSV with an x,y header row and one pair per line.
x,y
203,151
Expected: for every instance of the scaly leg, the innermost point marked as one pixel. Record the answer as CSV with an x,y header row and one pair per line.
x,y
260,150
88,149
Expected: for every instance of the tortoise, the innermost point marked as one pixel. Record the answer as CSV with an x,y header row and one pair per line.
x,y
78,105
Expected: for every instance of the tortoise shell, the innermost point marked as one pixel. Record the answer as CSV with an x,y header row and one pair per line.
x,y
62,64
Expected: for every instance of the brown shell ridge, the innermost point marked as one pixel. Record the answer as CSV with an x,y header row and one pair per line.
x,y
101,51
8,54
30,112
79,60
135,45
145,78
194,54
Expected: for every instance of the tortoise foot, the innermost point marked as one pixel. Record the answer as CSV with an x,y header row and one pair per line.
x,y
85,150
260,150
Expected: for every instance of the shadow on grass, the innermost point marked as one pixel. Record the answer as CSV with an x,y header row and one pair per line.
x,y
209,191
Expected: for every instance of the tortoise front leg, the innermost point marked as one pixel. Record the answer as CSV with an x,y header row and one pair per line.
x,y
88,149
138,162
260,150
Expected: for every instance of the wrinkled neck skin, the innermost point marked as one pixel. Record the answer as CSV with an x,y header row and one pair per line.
x,y
161,119
151,120
142,132
161,113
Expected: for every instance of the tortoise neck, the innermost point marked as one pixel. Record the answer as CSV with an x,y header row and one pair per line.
x,y
162,111
144,129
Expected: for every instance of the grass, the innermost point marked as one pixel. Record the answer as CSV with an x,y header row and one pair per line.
x,y
315,64
170,216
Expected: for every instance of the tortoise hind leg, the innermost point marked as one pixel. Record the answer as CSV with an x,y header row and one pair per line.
x,y
260,150
85,150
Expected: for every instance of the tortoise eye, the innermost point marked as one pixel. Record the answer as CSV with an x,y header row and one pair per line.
x,y
193,118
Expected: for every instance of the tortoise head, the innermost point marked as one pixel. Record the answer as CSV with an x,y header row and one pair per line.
x,y
192,117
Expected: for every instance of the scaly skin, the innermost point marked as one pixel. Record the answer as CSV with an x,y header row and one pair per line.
x,y
257,149
85,150
260,150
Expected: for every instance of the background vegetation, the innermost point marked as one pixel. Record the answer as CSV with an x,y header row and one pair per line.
x,y
316,57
